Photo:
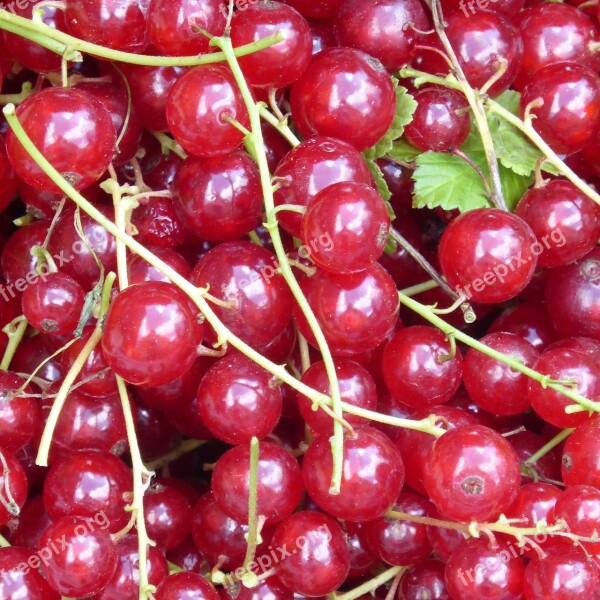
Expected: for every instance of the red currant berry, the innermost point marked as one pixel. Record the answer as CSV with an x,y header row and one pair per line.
x,y
425,580
581,456
20,414
18,582
188,586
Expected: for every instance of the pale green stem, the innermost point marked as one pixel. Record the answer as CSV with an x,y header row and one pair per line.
x,y
371,585
557,439
15,331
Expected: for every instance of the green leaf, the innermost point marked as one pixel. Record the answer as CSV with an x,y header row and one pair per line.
x,y
403,151
405,107
382,186
447,181
514,186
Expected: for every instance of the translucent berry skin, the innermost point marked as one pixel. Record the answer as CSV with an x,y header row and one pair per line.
x,y
579,506
279,483
90,485
564,573
173,27
554,33
345,227
20,416
570,115
494,386
238,399
86,564
196,106
281,64
417,368
573,297
151,334
22,583
472,474
120,24
159,225
508,7
190,586
244,274
53,304
486,254
323,553
476,570
267,589
380,29
346,94
566,221
356,387
425,580
8,179
436,124
77,121
12,476
480,41
310,167
355,312
125,583
564,364
316,9
372,475
397,541
581,456
219,199
140,271
17,261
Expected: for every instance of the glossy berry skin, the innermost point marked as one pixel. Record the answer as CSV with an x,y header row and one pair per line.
x,y
345,94
570,115
372,476
151,334
140,271
345,227
281,64
318,547
355,312
17,261
494,386
279,482
173,27
77,121
244,274
219,199
53,304
91,485
20,416
356,387
18,583
188,586
535,502
419,369
400,542
472,474
120,24
564,364
424,580
508,7
566,221
381,28
267,589
167,514
196,106
481,41
579,506
440,122
554,33
238,399
581,456
125,583
9,184
159,225
415,445
563,574
573,297
86,564
310,167
316,9
486,255
12,475
477,570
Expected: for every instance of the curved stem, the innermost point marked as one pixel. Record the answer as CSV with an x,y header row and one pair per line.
x,y
71,47
281,126
255,143
15,331
182,449
557,439
372,584
428,314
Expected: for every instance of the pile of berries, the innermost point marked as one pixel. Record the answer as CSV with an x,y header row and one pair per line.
x,y
299,299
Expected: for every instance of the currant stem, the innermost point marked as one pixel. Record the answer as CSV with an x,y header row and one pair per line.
x,y
169,144
372,584
71,47
252,538
419,288
4,543
139,488
182,449
15,331
256,144
427,313
557,439
281,126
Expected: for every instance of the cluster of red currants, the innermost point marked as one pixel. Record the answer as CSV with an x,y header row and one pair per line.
x,y
251,352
